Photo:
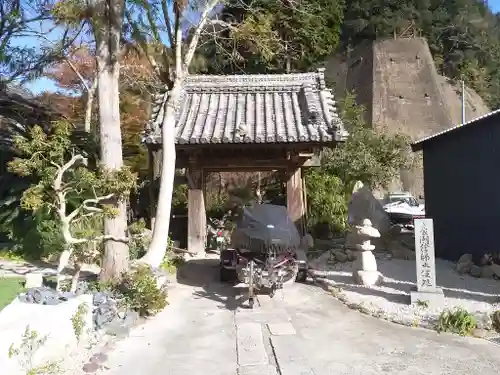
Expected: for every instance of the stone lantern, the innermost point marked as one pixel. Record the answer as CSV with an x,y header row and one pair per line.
x,y
365,266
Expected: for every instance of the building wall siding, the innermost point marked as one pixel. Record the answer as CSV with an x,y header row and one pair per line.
x,y
462,189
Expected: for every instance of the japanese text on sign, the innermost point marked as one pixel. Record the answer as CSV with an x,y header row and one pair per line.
x,y
424,243
424,257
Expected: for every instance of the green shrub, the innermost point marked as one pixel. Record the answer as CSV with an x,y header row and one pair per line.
x,y
38,236
327,201
140,292
139,243
458,321
171,262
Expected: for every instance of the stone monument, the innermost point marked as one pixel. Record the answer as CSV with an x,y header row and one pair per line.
x,y
365,270
427,290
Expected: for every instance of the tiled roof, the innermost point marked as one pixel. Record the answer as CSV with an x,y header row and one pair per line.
x,y
417,146
284,108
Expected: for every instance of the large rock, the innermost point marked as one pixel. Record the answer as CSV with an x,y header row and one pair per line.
x,y
340,255
465,263
364,205
496,270
487,272
476,271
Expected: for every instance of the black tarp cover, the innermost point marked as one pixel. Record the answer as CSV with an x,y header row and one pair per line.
x,y
265,227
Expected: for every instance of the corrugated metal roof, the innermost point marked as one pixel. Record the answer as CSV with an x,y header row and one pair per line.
x,y
417,146
281,108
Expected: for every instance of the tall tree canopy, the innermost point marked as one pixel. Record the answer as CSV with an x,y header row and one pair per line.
x,y
303,32
463,35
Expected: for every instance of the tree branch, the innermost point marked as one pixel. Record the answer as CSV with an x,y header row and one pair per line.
x,y
136,34
168,24
197,33
85,206
58,184
104,237
75,70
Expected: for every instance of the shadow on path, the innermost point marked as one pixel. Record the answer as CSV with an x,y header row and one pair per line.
x,y
203,275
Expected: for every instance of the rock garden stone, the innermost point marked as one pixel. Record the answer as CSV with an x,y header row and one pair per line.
x,y
486,269
483,320
465,263
364,205
475,271
351,255
104,314
42,296
496,270
340,256
99,358
91,367
487,272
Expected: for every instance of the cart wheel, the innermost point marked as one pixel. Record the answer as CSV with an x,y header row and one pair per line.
x,y
272,292
251,302
301,277
227,276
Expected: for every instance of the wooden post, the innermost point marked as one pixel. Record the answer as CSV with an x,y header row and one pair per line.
x,y
196,210
294,198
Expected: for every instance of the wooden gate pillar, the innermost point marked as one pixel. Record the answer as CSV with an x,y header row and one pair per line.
x,y
196,210
295,198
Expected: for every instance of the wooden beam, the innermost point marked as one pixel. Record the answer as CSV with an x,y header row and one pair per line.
x,y
247,163
306,154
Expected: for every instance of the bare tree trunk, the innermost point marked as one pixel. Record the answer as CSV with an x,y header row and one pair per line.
x,y
76,277
107,29
159,242
115,253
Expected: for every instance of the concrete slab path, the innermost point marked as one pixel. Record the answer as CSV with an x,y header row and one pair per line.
x,y
206,331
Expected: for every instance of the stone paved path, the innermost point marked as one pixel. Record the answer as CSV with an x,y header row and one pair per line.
x,y
206,332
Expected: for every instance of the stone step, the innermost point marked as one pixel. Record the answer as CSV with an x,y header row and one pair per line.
x,y
289,357
258,370
250,345
261,316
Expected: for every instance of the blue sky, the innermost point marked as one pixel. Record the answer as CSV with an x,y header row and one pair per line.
x,y
494,5
44,84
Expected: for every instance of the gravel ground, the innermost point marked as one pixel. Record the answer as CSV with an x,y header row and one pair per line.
x,y
392,299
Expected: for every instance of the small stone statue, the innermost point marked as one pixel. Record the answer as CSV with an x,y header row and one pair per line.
x,y
365,266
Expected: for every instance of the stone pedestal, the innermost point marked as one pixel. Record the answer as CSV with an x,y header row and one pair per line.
x,y
431,299
365,270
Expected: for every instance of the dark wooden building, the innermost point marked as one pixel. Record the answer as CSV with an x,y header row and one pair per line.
x,y
248,123
462,186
